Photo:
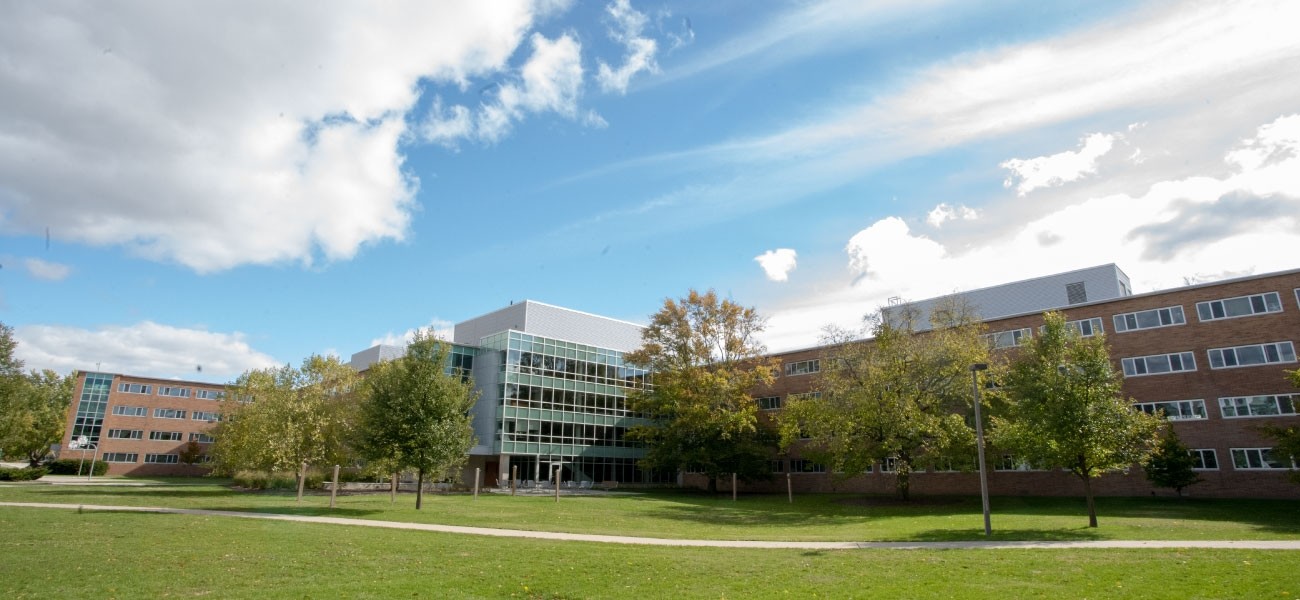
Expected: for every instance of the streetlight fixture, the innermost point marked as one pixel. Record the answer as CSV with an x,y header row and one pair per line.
x,y
979,444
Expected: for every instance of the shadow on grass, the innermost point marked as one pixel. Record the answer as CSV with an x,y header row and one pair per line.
x,y
1016,535
297,511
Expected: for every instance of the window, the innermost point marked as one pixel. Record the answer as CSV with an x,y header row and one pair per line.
x,y
1157,364
1176,410
1259,406
209,394
125,434
1009,462
134,388
1083,327
776,466
1249,356
200,415
1007,339
805,396
161,459
768,402
1255,458
121,457
165,436
130,411
175,392
1297,297
803,367
1149,319
1243,306
201,438
168,413
800,465
890,465
1204,459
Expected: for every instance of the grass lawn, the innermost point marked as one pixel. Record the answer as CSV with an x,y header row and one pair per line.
x,y
63,554
814,517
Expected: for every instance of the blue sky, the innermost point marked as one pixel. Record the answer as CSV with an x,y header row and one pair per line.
x,y
236,186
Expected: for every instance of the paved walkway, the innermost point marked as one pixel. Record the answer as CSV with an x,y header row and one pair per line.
x,y
620,539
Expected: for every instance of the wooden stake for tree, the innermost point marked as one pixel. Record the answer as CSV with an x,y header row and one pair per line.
x,y
789,488
514,477
476,479
733,487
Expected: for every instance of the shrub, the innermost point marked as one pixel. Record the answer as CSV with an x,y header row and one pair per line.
x,y
284,480
69,466
26,474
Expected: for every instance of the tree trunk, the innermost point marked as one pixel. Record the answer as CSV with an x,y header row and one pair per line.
x,y
904,485
419,490
713,484
1092,506
392,493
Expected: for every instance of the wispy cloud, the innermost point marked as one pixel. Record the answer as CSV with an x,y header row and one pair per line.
x,y
49,271
626,26
1063,167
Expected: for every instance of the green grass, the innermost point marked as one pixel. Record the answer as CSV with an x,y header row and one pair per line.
x,y
820,517
66,554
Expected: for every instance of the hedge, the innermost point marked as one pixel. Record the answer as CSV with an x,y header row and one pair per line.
x,y
24,474
70,466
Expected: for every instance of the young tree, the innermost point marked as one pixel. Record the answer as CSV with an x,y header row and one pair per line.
x,y
1065,408
900,395
1171,465
703,359
191,453
417,414
275,419
33,407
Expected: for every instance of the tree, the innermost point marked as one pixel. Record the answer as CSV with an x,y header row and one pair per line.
x,y
33,407
278,418
191,453
1172,465
417,414
1286,440
1065,408
900,396
703,360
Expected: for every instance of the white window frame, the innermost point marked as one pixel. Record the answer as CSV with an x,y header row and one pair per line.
x,y
1263,457
774,401
142,389
1129,364
202,394
802,396
1121,320
1183,408
1284,351
1231,407
1017,337
162,459
200,437
1199,455
121,457
169,413
131,434
130,411
164,436
172,391
803,367
1094,324
1207,307
803,461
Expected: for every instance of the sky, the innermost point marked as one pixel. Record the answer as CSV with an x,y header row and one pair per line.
x,y
194,189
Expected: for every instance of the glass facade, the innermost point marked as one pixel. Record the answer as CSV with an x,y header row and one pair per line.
x,y
564,404
91,406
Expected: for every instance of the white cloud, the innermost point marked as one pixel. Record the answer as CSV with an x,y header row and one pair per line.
x,y
1194,228
943,212
442,328
199,136
549,81
1059,168
145,348
778,263
626,28
49,271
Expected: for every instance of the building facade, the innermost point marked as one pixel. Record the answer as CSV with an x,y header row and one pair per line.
x,y
142,425
1211,357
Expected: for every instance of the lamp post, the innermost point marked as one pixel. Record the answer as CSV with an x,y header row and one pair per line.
x,y
979,444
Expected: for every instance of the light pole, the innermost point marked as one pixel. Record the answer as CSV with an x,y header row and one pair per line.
x,y
979,444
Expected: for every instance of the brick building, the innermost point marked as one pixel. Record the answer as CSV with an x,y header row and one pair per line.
x,y
141,425
1211,356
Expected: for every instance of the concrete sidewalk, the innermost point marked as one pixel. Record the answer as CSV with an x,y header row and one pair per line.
x,y
619,539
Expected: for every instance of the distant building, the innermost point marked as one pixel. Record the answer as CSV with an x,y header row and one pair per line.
x,y
1211,357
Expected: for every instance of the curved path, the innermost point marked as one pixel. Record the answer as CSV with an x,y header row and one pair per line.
x,y
620,539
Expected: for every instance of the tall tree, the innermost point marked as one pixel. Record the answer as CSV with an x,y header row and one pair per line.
x,y
1065,408
275,419
900,396
33,407
704,359
417,413
1286,440
1171,465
